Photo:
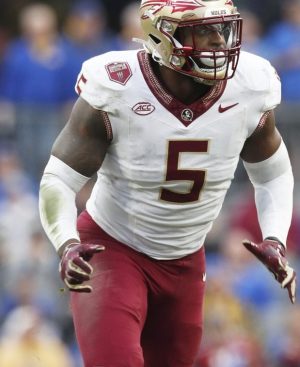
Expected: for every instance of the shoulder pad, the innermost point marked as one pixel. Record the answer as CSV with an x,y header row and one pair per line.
x,y
105,76
258,76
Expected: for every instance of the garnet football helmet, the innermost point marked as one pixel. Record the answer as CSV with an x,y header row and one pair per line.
x,y
164,23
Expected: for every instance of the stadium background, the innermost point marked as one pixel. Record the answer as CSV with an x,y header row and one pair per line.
x,y
249,321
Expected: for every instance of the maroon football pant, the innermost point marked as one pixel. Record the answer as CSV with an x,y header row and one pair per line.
x,y
142,312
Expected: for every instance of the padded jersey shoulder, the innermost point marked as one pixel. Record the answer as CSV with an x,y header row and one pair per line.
x,y
104,78
113,69
256,75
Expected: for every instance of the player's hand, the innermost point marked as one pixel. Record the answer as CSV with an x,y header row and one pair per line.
x,y
74,267
272,254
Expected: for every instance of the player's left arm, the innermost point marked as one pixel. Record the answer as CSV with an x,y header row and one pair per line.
x,y
268,166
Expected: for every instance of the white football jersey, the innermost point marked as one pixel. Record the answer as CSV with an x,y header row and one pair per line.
x,y
169,165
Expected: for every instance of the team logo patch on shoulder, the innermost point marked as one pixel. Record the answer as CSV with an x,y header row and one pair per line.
x,y
119,72
143,108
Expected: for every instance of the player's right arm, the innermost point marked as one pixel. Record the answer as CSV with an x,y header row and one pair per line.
x,y
77,154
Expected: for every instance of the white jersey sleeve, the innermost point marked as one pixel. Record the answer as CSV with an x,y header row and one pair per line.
x,y
273,94
259,85
92,84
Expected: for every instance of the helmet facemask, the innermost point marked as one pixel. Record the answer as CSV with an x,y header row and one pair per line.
x,y
176,43
206,64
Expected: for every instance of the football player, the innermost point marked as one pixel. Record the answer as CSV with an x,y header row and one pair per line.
x,y
164,128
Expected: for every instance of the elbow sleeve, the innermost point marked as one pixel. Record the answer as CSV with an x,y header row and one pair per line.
x,y
273,185
57,206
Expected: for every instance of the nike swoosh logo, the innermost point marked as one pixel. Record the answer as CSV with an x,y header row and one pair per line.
x,y
223,109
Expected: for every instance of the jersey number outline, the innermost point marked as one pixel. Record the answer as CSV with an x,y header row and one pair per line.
x,y
173,173
81,80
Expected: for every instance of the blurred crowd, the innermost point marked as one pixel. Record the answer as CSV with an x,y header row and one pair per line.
x,y
249,321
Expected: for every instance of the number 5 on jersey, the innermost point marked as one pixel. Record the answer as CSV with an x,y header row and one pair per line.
x,y
174,173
